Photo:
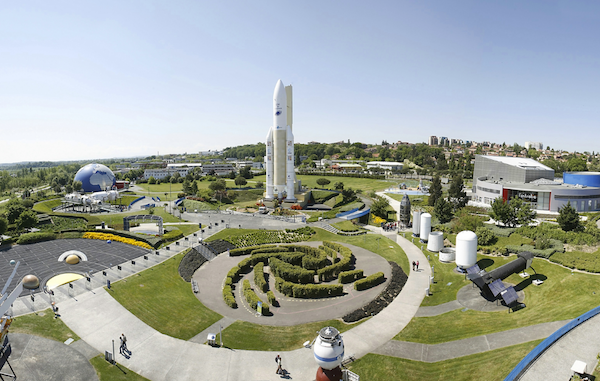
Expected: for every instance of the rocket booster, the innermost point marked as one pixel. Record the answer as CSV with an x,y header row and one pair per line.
x,y
279,107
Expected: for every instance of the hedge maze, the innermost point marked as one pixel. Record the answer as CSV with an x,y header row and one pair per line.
x,y
299,272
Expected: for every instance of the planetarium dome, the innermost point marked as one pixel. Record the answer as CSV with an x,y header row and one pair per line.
x,y
95,178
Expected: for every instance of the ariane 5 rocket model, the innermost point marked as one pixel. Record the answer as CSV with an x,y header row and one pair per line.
x,y
279,159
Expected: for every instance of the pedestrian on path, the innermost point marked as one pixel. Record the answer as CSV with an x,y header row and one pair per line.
x,y
121,345
124,344
413,264
417,265
278,361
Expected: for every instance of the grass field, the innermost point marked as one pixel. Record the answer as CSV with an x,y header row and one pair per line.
x,y
110,372
160,298
366,185
564,295
43,324
492,365
346,226
249,336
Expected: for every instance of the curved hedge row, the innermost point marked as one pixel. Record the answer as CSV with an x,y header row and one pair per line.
x,y
271,297
228,297
290,272
350,276
271,249
259,277
333,270
314,258
247,250
309,291
370,281
253,299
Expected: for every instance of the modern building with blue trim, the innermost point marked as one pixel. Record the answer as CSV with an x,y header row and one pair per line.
x,y
527,179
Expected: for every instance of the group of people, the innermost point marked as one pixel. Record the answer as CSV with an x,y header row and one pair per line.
x,y
415,265
123,348
390,226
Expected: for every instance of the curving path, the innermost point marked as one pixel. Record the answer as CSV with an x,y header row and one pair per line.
x,y
98,319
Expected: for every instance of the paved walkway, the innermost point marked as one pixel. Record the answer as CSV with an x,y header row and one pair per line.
x,y
98,319
465,347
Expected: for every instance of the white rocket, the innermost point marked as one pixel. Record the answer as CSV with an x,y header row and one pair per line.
x,y
279,159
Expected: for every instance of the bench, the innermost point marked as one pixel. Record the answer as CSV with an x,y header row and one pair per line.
x,y
195,287
348,360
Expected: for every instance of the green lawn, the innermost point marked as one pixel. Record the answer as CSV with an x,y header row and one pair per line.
x,y
160,298
43,324
491,365
110,372
564,295
346,226
249,336
366,185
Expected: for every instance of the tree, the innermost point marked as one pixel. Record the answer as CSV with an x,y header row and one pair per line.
x,y
77,185
348,194
175,178
246,172
322,181
240,180
443,210
259,184
218,186
27,219
435,190
3,225
379,207
500,210
523,212
194,188
456,194
568,218
339,186
151,180
576,164
186,187
14,208
485,236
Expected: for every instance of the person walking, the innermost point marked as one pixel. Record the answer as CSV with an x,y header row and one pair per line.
x,y
124,343
413,265
278,361
121,345
417,265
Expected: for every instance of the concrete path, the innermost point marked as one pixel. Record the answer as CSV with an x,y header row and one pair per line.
x,y
98,319
465,347
439,309
220,325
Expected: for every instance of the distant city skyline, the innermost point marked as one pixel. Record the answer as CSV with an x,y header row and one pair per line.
x,y
80,81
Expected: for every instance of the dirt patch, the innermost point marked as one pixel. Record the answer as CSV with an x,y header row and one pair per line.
x,y
582,248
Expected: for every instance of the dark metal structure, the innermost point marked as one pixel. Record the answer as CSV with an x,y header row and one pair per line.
x,y
491,284
405,211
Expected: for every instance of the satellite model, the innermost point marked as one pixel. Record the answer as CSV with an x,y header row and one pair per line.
x,y
329,353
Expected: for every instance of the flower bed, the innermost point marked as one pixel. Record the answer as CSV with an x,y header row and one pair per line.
x,y
116,238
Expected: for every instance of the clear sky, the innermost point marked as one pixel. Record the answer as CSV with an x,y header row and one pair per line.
x,y
102,79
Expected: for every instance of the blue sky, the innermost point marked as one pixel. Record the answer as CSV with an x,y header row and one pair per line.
x,y
86,80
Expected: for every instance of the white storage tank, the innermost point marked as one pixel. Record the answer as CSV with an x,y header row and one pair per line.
x,y
447,254
435,242
425,226
416,222
329,348
466,249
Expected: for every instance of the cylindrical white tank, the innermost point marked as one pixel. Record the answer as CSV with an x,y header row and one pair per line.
x,y
425,227
329,348
447,254
466,249
416,222
435,242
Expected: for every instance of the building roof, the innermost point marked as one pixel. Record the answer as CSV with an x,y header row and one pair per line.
x,y
384,163
520,162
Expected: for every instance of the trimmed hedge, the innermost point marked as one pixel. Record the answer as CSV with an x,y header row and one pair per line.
x,y
314,258
28,238
253,299
370,281
271,297
228,297
272,236
556,246
308,291
332,271
259,277
271,249
246,250
290,272
350,276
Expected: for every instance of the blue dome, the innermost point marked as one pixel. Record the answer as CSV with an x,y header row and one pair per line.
x,y
95,178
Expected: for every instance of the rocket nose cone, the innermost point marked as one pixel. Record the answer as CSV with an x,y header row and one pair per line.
x,y
279,88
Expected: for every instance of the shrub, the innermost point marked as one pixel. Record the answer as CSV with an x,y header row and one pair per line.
x,y
246,250
228,297
350,276
370,281
485,237
28,238
272,236
116,238
253,299
311,291
555,246
271,298
290,272
333,270
259,277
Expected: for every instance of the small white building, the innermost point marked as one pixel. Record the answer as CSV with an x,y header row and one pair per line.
x,y
385,165
161,173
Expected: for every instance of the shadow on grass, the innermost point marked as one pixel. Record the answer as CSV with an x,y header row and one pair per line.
x,y
484,263
527,282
